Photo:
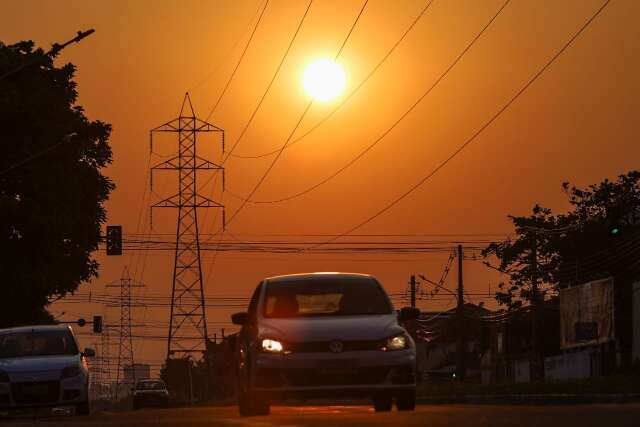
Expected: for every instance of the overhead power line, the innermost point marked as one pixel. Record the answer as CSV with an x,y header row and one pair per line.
x,y
352,93
390,128
211,73
235,69
295,128
270,84
475,135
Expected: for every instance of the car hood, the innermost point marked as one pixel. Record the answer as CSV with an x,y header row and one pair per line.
x,y
343,328
37,363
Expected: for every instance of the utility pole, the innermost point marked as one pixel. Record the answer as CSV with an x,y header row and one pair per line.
x,y
535,365
187,320
461,345
413,291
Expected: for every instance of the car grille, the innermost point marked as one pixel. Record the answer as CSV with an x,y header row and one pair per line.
x,y
35,392
323,346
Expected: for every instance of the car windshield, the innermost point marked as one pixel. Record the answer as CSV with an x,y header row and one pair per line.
x,y
37,343
325,297
150,385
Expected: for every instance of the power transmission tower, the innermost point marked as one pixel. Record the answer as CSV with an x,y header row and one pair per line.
x,y
187,322
105,359
125,342
95,371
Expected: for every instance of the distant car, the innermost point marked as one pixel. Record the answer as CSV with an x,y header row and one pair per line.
x,y
150,393
324,335
41,366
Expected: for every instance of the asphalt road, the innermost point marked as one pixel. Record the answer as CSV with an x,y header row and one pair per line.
x,y
355,416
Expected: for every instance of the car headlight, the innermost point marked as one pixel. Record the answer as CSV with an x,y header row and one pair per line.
x,y
272,346
4,377
396,342
70,372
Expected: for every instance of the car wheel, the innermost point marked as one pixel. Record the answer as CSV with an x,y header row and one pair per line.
x,y
382,403
83,408
253,404
406,400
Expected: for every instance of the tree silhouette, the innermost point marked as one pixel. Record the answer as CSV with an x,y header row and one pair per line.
x,y
535,236
52,191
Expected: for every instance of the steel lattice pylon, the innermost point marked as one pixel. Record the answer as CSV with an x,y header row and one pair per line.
x,y
187,323
125,342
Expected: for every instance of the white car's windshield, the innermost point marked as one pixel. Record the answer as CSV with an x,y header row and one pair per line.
x,y
330,297
37,343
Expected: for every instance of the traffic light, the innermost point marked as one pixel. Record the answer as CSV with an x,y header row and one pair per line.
x,y
97,324
114,240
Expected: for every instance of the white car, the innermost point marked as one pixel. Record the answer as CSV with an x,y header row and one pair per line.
x,y
41,366
324,335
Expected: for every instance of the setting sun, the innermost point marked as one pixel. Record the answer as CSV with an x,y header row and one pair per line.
x,y
324,80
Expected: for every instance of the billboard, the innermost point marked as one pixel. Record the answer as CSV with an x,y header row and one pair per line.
x,y
586,314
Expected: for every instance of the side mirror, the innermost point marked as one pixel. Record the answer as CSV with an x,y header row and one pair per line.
x,y
89,352
408,313
239,318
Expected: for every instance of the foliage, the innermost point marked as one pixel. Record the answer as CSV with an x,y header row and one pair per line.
x,y
52,191
187,380
516,255
595,239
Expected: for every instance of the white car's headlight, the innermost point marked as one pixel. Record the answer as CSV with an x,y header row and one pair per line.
x,y
396,342
272,346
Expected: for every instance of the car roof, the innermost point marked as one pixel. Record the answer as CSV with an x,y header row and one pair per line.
x,y
35,328
318,276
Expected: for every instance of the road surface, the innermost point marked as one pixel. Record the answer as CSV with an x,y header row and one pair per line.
x,y
356,416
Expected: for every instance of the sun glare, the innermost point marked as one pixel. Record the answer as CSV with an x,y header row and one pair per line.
x,y
324,80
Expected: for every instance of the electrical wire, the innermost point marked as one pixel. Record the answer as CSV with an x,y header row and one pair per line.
x,y
387,131
352,93
295,128
228,52
474,136
235,69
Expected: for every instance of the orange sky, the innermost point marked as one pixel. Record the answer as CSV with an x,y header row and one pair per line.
x,y
576,123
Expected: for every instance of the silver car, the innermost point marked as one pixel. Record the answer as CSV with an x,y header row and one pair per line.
x,y
41,366
324,335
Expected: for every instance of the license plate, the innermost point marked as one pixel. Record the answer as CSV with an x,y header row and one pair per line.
x,y
335,367
35,389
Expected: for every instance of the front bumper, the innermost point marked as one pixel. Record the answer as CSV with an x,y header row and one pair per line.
x,y
21,393
348,373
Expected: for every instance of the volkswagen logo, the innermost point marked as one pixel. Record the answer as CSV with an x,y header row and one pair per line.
x,y
336,346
